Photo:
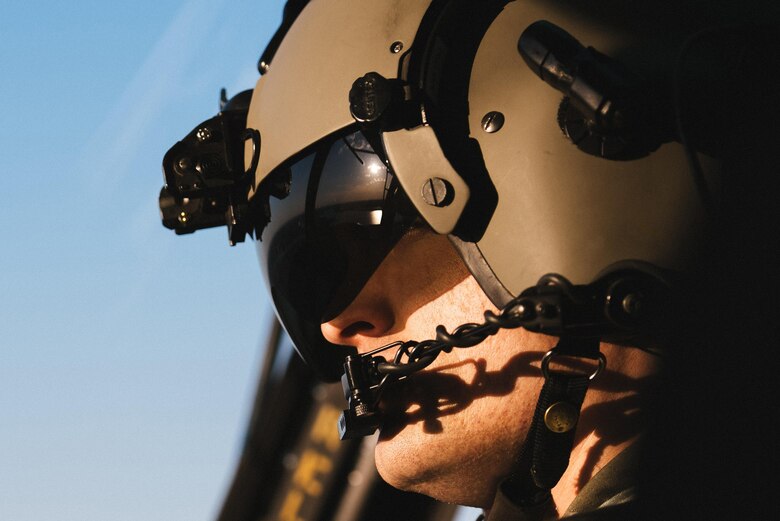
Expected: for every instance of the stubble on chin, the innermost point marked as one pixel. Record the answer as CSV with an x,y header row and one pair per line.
x,y
453,431
453,466
458,447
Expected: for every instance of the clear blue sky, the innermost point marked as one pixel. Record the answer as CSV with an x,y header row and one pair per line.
x,y
128,355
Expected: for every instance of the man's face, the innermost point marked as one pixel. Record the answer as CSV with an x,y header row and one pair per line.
x,y
453,430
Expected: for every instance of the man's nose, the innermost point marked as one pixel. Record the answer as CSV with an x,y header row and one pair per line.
x,y
360,324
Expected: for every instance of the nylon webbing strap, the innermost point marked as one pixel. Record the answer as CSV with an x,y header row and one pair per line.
x,y
552,448
557,413
545,454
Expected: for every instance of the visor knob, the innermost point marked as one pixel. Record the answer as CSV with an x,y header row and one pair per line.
x,y
369,97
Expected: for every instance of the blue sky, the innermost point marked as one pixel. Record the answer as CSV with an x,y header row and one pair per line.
x,y
128,356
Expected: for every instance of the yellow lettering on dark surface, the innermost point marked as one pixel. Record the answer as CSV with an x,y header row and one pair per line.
x,y
324,429
291,506
311,465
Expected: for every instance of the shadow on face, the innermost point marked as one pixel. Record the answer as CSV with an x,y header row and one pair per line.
x,y
433,394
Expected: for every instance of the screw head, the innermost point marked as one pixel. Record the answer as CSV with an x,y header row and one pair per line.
x,y
492,122
396,47
437,192
183,217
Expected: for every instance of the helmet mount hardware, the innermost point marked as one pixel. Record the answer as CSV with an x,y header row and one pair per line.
x,y
206,184
606,111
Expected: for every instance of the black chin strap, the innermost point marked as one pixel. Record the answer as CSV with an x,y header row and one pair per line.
x,y
525,494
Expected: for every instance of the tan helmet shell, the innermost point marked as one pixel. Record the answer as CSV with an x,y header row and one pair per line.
x,y
304,95
559,209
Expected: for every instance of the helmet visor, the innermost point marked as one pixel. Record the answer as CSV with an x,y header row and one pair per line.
x,y
339,212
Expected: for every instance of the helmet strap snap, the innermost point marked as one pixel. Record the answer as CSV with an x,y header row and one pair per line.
x,y
547,448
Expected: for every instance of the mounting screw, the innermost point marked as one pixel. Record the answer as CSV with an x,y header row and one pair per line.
x,y
396,47
492,122
437,192
183,217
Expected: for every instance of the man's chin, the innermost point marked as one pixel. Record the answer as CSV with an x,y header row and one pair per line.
x,y
399,463
412,468
394,417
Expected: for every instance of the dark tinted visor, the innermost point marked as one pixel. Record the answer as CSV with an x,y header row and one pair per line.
x,y
338,213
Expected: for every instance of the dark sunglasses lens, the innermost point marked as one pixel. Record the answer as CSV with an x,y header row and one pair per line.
x,y
342,214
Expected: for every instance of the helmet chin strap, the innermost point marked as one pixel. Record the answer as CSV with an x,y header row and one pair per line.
x,y
525,494
620,304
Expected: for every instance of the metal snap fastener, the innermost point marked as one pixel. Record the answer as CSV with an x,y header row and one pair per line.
x,y
561,417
